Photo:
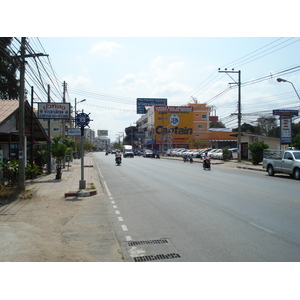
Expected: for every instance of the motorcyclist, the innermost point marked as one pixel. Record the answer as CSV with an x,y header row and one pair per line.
x,y
205,159
118,155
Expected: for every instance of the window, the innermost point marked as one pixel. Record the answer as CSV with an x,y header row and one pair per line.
x,y
204,116
56,129
200,126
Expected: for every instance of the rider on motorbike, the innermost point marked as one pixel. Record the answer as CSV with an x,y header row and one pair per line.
x,y
206,160
118,155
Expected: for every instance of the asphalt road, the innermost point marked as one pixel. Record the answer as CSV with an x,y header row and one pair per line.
x,y
166,210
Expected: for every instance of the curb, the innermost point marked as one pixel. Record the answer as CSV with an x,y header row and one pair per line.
x,y
249,168
82,193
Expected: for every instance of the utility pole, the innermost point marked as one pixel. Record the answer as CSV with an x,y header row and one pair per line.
x,y
22,146
22,138
239,108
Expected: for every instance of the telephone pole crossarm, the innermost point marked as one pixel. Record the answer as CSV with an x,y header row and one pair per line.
x,y
239,106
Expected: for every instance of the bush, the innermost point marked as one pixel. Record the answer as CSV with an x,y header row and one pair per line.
x,y
257,151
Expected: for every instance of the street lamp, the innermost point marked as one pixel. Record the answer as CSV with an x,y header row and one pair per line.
x,y
284,80
76,105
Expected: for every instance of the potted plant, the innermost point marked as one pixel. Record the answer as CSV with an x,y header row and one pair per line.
x,y
58,151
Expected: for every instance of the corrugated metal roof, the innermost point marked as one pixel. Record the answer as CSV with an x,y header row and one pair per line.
x,y
8,111
7,107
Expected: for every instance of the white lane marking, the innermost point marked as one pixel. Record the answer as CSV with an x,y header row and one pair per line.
x,y
99,170
111,198
117,212
260,227
124,227
128,238
112,202
107,190
115,206
120,219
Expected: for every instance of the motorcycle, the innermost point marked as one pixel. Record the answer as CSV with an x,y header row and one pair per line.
x,y
191,159
118,161
185,158
206,164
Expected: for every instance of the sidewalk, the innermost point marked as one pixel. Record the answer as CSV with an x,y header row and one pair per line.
x,y
56,221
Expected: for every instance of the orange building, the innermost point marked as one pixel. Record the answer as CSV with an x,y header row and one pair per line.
x,y
184,127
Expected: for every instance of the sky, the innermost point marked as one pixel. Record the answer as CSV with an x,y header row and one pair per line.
x,y
111,59
111,73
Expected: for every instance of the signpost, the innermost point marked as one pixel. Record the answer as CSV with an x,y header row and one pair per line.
x,y
82,120
285,124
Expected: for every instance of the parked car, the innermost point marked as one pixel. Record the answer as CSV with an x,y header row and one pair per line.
x,y
211,152
148,153
217,154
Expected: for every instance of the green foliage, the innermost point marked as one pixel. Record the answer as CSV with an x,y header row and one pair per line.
x,y
296,141
226,154
10,171
41,158
257,150
58,149
9,86
32,171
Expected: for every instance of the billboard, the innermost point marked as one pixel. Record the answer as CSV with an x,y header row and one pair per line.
x,y
142,102
285,130
173,124
54,110
102,132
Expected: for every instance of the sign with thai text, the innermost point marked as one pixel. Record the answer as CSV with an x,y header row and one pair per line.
x,y
141,103
54,110
285,130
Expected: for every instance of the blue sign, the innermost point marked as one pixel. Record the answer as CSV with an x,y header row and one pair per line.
x,y
82,119
140,134
285,112
142,102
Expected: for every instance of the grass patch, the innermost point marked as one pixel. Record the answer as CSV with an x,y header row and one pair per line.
x,y
9,194
90,186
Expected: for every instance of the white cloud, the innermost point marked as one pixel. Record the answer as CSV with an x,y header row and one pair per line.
x,y
105,48
130,81
80,80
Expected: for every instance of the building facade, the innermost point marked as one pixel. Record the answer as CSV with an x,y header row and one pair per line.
x,y
187,126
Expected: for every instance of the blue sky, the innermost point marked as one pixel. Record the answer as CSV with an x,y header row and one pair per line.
x,y
111,53
112,72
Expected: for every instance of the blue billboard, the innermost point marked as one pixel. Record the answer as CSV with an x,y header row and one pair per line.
x,y
142,102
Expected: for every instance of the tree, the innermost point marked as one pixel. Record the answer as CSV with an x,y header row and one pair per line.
x,y
257,151
266,125
9,85
130,138
245,127
216,124
296,141
58,150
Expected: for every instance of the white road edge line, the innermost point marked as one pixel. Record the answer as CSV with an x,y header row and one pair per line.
x,y
128,238
260,227
106,187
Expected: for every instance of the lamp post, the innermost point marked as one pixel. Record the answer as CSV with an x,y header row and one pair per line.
x,y
76,105
284,80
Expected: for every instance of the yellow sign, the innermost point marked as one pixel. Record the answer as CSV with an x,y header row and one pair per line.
x,y
173,124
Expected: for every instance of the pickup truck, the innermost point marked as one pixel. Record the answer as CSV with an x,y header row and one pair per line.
x,y
277,161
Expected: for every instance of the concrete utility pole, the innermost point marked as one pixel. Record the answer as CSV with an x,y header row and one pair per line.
x,y
22,138
22,146
239,108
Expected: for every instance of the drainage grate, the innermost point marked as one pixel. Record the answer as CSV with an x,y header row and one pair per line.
x,y
151,242
156,257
